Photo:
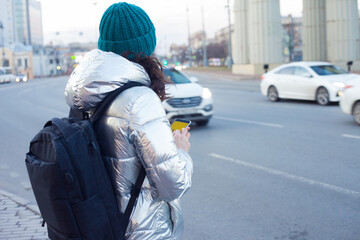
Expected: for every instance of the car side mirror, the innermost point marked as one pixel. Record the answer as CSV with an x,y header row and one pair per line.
x,y
194,79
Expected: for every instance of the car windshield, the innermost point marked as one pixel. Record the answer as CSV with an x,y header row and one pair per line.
x,y
328,70
176,77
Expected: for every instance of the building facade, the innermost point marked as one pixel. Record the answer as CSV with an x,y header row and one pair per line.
x,y
22,22
19,58
21,29
330,32
35,23
7,21
257,35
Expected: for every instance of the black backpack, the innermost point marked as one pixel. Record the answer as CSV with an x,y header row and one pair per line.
x,y
70,181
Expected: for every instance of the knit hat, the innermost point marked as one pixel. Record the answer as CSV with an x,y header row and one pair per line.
x,y
125,27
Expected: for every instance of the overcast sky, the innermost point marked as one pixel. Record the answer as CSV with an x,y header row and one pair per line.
x,y
70,17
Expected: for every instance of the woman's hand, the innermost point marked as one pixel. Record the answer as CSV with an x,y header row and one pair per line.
x,y
182,139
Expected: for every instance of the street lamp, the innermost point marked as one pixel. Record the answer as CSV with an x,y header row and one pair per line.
x,y
204,37
230,62
3,43
189,47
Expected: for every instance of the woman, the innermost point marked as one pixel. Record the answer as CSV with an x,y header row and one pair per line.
x,y
134,131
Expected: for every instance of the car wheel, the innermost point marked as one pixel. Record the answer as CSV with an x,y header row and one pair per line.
x,y
273,94
202,122
322,96
356,112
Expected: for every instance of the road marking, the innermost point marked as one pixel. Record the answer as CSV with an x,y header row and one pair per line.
x,y
25,91
20,86
33,83
4,166
250,122
61,114
26,185
289,176
14,174
350,136
46,109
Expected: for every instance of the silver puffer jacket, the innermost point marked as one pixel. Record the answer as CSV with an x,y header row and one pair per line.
x,y
133,132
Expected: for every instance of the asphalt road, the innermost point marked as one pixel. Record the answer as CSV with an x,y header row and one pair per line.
x,y
262,170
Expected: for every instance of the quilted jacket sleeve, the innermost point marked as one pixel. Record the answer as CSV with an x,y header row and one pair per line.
x,y
168,168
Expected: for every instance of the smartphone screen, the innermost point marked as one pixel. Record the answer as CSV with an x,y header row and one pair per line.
x,y
179,124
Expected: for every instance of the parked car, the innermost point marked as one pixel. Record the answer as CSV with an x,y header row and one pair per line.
x,y
21,78
5,76
319,81
189,100
350,102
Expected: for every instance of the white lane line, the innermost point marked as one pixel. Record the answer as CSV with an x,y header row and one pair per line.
x,y
26,185
14,174
21,86
25,91
4,166
250,122
32,84
61,114
289,176
46,109
350,136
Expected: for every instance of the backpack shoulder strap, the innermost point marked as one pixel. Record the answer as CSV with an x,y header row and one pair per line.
x,y
109,99
100,111
135,192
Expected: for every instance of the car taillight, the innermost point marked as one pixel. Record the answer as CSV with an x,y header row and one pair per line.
x,y
262,77
347,86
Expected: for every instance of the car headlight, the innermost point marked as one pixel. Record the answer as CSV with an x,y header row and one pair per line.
x,y
339,84
17,79
25,79
206,93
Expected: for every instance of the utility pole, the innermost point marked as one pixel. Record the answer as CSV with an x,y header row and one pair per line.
x,y
3,43
204,36
291,38
230,61
189,40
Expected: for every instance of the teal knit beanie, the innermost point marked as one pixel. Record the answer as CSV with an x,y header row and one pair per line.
x,y
125,27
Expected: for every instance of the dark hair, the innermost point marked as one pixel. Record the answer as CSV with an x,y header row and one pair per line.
x,y
154,69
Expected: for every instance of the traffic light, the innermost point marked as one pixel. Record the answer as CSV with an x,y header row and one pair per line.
x,y
165,63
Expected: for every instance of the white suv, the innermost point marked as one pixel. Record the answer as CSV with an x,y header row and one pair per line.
x,y
189,100
350,102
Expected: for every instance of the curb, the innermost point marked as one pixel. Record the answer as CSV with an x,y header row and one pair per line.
x,y
237,77
21,201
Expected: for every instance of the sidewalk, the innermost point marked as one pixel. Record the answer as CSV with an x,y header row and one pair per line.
x,y
18,220
223,72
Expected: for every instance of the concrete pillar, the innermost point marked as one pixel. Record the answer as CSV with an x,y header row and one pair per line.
x,y
314,30
342,31
240,43
265,33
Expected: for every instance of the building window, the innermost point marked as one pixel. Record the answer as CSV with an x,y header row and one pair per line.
x,y
26,63
19,63
51,61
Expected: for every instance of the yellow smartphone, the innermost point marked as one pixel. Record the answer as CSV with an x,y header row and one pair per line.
x,y
179,124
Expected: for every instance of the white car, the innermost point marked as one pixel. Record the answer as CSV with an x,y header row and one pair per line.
x,y
189,100
350,102
5,76
319,81
21,78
